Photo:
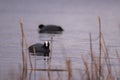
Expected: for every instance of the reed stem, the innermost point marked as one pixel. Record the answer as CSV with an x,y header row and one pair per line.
x,y
22,44
100,47
24,40
92,58
24,58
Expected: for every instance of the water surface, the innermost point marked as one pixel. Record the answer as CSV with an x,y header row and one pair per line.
x,y
77,17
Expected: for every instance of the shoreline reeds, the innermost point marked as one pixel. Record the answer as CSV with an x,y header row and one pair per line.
x,y
93,69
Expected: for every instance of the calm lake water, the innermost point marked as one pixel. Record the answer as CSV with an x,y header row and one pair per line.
x,y
77,17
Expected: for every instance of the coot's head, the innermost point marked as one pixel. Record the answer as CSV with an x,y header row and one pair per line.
x,y
46,44
41,26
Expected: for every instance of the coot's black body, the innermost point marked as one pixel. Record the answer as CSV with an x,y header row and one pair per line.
x,y
50,29
40,49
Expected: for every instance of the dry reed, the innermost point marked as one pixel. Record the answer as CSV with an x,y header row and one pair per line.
x,y
24,57
69,69
99,21
24,41
86,68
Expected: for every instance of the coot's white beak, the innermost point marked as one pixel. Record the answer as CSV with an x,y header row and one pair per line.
x,y
46,43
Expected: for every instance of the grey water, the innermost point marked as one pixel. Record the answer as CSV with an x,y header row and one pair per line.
x,y
78,18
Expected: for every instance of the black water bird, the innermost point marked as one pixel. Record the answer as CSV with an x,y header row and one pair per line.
x,y
40,49
50,29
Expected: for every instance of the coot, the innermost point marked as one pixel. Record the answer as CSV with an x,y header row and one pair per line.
x,y
40,49
50,28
